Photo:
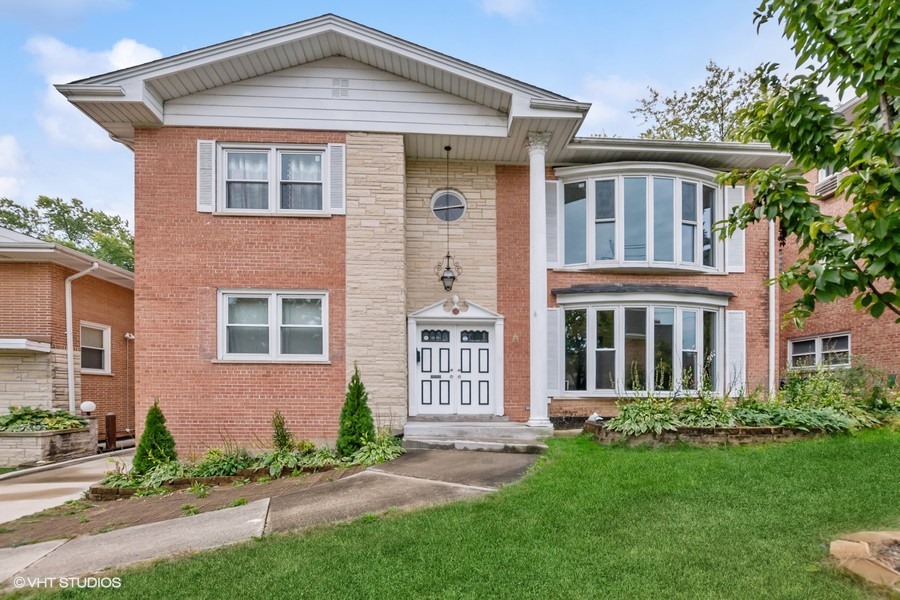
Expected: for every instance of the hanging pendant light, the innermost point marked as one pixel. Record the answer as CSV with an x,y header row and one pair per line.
x,y
447,269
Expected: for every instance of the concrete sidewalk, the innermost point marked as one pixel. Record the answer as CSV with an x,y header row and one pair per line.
x,y
418,478
49,486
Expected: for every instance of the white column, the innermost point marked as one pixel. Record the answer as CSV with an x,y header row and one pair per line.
x,y
537,147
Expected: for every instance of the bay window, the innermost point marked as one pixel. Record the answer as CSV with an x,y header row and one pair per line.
x,y
668,348
273,326
638,216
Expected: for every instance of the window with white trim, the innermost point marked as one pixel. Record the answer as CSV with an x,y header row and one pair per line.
x,y
824,351
631,347
260,325
273,179
95,348
640,218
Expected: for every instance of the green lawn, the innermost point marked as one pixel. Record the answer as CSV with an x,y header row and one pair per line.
x,y
589,521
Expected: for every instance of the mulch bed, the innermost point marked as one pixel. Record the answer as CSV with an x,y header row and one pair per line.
x,y
83,517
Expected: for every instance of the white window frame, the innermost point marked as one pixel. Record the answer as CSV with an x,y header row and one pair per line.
x,y
648,302
618,172
819,353
107,347
274,153
274,325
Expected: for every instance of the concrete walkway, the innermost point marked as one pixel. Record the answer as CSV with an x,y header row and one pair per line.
x,y
418,478
41,488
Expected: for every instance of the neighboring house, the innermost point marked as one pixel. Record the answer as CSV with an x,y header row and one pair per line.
x,y
33,357
293,198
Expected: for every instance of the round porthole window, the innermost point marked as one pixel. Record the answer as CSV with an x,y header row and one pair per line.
x,y
448,205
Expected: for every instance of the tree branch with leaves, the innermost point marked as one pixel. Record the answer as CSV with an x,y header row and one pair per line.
x,y
851,46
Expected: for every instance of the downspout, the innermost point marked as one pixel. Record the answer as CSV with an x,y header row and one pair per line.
x,y
773,312
70,353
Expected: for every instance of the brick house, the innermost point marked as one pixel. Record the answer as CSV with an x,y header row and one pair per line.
x,y
294,203
33,346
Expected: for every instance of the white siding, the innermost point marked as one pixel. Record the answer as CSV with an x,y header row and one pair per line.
x,y
335,94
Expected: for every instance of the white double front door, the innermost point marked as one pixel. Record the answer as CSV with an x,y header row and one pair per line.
x,y
454,369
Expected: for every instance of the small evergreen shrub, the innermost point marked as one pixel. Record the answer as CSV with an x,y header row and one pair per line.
x,y
156,445
281,437
356,424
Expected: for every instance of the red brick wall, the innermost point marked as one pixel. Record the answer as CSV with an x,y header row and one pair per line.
x,y
513,286
33,303
25,299
183,256
876,341
98,301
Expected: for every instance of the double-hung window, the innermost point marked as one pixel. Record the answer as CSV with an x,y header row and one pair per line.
x,y
273,179
622,348
826,351
273,326
95,346
630,217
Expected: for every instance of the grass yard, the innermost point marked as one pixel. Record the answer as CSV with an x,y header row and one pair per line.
x,y
590,521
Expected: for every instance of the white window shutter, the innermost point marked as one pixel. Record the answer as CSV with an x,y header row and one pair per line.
x,y
206,175
554,351
734,245
552,222
735,352
337,179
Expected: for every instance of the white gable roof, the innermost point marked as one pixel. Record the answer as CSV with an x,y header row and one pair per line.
x,y
138,96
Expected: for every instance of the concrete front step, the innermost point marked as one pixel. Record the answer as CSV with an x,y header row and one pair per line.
x,y
496,436
478,445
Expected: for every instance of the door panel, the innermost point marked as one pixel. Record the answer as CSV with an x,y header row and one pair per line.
x,y
454,370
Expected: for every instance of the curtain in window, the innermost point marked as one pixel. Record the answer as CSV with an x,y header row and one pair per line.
x,y
246,180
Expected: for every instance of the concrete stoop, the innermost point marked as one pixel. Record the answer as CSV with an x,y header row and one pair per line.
x,y
484,435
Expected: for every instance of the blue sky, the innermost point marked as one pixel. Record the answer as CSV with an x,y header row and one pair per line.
x,y
603,51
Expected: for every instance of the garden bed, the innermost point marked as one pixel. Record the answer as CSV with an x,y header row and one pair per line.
x,y
29,448
104,493
698,436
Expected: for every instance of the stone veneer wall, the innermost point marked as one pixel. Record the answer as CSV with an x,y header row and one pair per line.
x,y
36,379
376,267
29,448
473,238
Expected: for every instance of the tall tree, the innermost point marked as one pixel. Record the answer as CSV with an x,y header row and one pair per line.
x,y
705,113
71,224
850,46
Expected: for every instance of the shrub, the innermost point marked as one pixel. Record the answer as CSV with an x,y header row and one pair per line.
x,y
223,463
281,437
156,445
824,389
28,418
161,473
644,415
707,411
383,448
279,460
356,424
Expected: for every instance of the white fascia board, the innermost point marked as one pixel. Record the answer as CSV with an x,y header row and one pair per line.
x,y
630,144
525,106
641,298
628,167
24,345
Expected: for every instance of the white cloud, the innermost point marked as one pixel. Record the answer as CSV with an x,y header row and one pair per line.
x,y
12,164
510,9
611,100
58,62
56,11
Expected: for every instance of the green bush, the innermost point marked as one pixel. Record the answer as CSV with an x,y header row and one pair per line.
x,y
356,424
706,411
156,445
826,389
277,461
383,448
644,415
28,418
281,437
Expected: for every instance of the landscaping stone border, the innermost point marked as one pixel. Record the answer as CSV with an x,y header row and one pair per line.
x,y
857,553
699,436
102,493
31,448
